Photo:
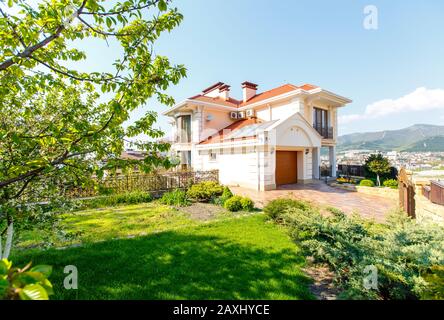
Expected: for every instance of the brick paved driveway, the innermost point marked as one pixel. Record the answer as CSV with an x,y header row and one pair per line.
x,y
321,194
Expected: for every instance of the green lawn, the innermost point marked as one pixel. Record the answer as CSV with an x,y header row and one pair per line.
x,y
243,257
106,224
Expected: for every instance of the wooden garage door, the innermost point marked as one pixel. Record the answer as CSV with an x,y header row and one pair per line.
x,y
286,167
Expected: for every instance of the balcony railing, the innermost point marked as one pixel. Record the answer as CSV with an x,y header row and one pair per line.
x,y
182,138
325,132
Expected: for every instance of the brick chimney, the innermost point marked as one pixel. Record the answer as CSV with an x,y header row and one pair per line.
x,y
224,92
249,90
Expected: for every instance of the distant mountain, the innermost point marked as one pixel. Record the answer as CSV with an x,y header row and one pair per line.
x,y
432,144
419,137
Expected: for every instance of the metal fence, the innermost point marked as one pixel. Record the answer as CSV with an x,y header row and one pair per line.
x,y
144,182
350,170
325,171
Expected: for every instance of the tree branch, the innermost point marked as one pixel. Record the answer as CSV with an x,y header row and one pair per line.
x,y
29,50
104,14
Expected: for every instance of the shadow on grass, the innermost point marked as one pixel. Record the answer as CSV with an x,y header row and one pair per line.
x,y
176,265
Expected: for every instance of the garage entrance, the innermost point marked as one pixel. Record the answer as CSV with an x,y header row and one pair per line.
x,y
286,167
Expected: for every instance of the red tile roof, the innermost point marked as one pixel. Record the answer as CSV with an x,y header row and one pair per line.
x,y
218,137
270,93
258,97
229,103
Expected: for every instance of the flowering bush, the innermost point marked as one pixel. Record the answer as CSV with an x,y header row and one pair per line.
x,y
345,180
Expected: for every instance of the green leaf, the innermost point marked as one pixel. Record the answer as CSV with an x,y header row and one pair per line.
x,y
26,278
10,3
33,292
4,285
162,5
48,286
42,268
5,265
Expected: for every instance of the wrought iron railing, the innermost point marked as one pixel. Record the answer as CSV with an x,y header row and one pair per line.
x,y
325,171
325,132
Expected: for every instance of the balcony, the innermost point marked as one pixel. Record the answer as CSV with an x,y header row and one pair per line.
x,y
184,138
325,132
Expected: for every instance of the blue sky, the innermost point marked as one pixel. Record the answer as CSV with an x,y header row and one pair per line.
x,y
394,75
320,42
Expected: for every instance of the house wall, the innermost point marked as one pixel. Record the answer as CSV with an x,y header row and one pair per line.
x,y
237,166
221,119
255,168
280,110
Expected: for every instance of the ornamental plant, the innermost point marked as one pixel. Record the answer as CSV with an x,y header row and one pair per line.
x,y
379,165
205,191
404,253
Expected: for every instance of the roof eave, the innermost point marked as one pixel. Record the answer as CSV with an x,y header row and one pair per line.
x,y
176,107
340,99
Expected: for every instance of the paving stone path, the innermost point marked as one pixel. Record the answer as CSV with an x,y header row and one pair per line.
x,y
321,194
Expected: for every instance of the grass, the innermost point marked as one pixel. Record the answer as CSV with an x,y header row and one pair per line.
x,y
233,257
106,224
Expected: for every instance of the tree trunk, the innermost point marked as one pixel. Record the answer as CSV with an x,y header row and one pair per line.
x,y
377,179
4,254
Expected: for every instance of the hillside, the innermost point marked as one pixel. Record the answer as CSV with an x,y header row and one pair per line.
x,y
419,137
432,144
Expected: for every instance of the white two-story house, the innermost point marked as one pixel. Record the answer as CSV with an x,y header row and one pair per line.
x,y
265,140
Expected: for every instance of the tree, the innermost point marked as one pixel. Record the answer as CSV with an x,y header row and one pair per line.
x,y
60,126
378,165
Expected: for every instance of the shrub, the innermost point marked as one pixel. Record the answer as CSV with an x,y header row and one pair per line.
x,y
247,204
220,201
205,191
134,197
435,281
366,183
226,194
401,251
233,204
275,208
391,183
175,198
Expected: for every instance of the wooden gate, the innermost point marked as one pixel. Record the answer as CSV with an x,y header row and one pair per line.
x,y
406,193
